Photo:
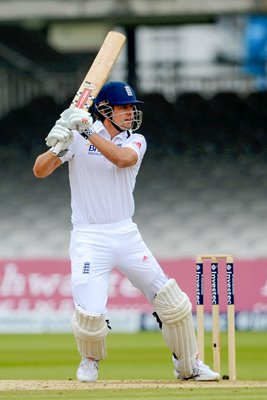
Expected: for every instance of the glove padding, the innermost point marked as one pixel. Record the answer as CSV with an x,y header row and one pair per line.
x,y
59,133
77,118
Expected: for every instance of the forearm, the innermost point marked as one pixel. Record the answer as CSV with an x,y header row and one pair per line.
x,y
121,157
45,164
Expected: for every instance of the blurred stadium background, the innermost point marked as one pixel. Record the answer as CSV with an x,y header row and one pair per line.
x,y
200,67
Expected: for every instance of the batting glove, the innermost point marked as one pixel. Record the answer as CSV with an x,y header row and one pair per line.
x,y
60,134
77,118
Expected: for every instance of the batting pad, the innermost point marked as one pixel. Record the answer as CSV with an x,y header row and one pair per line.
x,y
90,331
175,312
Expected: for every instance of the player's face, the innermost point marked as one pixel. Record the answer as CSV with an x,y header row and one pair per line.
x,y
123,115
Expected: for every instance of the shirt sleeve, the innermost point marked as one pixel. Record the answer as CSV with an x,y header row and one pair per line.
x,y
138,143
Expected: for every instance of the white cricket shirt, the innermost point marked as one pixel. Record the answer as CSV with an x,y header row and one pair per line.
x,y
102,193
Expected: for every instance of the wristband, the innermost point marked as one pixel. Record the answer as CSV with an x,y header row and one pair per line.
x,y
62,153
86,133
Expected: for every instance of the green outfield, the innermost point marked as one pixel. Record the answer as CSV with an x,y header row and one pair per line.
x,y
140,357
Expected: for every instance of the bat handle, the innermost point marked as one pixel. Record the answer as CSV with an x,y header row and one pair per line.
x,y
57,148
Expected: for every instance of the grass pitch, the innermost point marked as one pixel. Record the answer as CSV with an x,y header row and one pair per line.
x,y
138,365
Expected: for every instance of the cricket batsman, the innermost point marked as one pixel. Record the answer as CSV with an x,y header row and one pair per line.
x,y
104,158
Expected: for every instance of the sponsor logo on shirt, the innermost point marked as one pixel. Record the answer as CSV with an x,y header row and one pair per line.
x,y
93,150
138,144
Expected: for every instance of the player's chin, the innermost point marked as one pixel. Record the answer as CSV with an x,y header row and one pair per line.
x,y
126,125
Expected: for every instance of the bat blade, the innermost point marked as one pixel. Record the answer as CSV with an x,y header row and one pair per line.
x,y
99,70
98,73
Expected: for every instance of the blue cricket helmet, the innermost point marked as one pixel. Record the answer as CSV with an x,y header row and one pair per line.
x,y
114,93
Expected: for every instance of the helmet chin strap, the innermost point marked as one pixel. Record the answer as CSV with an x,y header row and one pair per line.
x,y
117,126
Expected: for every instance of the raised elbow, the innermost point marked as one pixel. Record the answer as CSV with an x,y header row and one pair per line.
x,y
122,163
38,173
41,171
45,164
126,160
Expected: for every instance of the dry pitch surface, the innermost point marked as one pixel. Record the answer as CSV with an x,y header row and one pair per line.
x,y
13,385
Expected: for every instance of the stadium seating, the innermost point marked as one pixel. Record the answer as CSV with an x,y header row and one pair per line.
x,y
202,187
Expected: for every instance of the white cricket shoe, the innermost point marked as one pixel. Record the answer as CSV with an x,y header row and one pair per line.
x,y
87,370
202,372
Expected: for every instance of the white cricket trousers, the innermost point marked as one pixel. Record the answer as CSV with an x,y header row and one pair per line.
x,y
96,249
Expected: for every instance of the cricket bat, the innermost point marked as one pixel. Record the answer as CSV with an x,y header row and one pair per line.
x,y
98,73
